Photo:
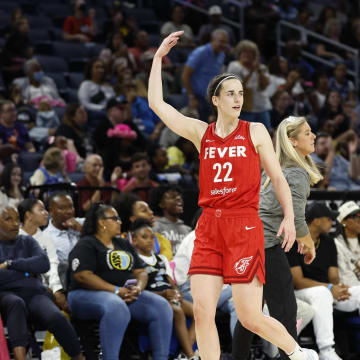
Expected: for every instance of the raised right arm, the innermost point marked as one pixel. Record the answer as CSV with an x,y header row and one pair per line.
x,y
189,128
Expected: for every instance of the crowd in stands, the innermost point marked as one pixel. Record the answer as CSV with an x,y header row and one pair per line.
x,y
92,177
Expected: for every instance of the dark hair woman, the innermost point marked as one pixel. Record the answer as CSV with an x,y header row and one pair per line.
x,y
107,283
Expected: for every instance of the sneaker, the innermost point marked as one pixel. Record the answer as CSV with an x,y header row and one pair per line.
x,y
329,354
310,354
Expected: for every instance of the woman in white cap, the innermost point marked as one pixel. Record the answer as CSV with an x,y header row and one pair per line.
x,y
348,243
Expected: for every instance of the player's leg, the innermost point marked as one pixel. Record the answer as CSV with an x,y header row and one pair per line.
x,y
248,304
205,290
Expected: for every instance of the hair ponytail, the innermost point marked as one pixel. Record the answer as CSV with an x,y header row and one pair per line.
x,y
95,212
288,129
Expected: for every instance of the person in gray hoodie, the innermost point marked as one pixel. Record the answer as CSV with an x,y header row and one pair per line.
x,y
167,202
294,144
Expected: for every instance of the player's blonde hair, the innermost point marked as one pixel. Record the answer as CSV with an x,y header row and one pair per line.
x,y
288,129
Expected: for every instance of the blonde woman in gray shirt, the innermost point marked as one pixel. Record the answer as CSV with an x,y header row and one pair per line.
x,y
294,144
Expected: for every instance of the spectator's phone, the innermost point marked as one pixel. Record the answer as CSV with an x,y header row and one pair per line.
x,y
130,282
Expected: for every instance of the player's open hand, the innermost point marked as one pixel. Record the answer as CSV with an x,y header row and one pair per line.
x,y
287,227
168,43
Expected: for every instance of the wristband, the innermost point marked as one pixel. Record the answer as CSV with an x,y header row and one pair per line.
x,y
330,286
116,290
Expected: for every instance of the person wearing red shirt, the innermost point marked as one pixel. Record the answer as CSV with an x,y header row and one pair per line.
x,y
80,26
229,245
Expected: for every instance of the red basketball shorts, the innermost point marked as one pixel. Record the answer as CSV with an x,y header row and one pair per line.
x,y
229,243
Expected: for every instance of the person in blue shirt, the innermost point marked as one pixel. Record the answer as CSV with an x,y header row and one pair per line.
x,y
202,65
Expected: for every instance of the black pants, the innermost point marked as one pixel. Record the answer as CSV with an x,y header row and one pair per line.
x,y
41,310
280,298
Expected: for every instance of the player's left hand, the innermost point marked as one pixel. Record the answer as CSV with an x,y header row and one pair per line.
x,y
287,227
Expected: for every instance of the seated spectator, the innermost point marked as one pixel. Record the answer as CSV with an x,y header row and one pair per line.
x,y
160,169
331,30
113,148
14,137
297,61
341,84
63,227
46,124
143,76
94,176
255,80
102,268
16,14
348,244
327,12
167,202
80,26
281,77
318,95
11,185
37,87
319,283
71,157
130,208
95,91
333,110
260,23
18,48
161,283
73,127
52,169
22,261
181,278
25,112
282,107
144,118
177,24
140,170
142,44
116,52
339,172
33,215
215,17
119,21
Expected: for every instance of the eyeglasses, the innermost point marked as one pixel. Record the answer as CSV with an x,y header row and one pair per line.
x,y
114,218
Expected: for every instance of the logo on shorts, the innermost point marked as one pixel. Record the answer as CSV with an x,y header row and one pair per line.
x,y
241,265
249,227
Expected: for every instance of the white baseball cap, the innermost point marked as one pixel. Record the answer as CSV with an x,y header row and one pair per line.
x,y
349,208
215,10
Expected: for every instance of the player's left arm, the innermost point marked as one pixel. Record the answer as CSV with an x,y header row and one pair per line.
x,y
269,162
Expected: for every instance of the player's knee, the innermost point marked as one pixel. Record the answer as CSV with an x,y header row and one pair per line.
x,y
249,322
203,311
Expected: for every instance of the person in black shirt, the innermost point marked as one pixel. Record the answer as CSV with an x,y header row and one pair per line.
x,y
161,282
319,283
102,268
74,127
22,293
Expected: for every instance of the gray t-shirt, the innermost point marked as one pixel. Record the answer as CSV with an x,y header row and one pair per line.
x,y
271,212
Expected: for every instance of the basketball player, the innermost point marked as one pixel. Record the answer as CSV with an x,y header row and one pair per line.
x,y
294,144
229,245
